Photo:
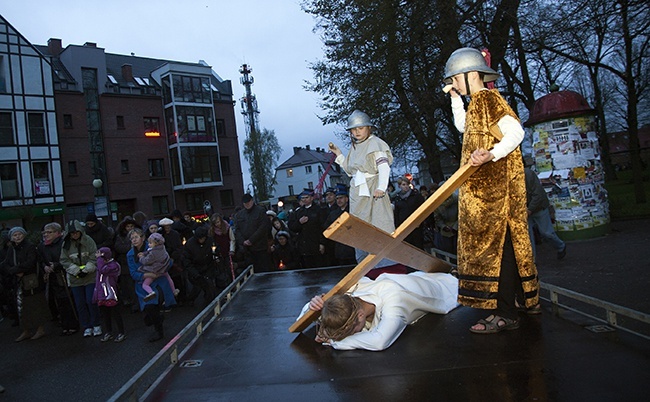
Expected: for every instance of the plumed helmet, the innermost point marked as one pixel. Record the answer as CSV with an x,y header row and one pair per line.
x,y
359,119
467,59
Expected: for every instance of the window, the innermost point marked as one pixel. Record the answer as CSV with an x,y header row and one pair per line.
x,y
200,164
6,128
160,205
3,75
227,198
194,201
9,181
72,168
308,169
221,128
151,126
225,164
36,128
290,190
320,170
124,164
67,121
156,168
191,89
120,122
41,178
310,185
289,172
195,124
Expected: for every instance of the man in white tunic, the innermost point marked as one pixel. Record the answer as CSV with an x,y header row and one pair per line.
x,y
376,313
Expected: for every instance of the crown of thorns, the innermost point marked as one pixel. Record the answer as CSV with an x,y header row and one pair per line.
x,y
346,329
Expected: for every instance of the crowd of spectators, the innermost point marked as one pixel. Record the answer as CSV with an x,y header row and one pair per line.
x,y
204,257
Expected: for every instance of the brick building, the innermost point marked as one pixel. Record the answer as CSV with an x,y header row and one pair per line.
x,y
111,133
159,134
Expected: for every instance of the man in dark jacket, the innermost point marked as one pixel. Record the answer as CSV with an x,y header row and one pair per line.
x,y
307,221
538,212
343,254
98,232
199,262
180,226
252,233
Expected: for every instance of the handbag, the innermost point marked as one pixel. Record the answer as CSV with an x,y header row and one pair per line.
x,y
29,281
109,295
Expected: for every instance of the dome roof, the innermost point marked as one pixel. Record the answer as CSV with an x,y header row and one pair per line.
x,y
558,105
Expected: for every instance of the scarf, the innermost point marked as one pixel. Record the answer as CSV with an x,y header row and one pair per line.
x,y
48,242
218,231
405,195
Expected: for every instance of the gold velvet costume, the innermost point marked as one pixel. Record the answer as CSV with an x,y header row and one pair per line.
x,y
492,200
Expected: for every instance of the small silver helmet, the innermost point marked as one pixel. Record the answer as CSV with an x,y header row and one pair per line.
x,y
467,59
359,119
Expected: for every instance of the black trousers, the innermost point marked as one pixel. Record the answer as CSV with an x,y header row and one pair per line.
x,y
152,316
508,281
108,314
203,284
67,313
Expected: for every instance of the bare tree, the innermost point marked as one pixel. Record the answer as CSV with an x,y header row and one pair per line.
x,y
608,37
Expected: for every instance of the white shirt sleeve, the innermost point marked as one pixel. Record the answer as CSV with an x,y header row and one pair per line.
x,y
458,110
340,160
376,339
513,134
384,174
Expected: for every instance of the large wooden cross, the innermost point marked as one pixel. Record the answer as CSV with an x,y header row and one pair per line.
x,y
357,233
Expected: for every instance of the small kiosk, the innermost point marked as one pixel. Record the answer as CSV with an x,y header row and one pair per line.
x,y
567,161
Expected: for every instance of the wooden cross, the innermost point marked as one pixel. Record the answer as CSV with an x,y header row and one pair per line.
x,y
357,233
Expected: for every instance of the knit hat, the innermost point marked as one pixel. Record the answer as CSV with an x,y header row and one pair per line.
x,y
91,218
271,213
106,253
165,221
283,233
157,238
200,232
246,198
17,229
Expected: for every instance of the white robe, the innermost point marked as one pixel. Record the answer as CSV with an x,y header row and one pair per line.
x,y
399,301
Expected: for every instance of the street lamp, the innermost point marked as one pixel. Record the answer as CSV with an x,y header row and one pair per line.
x,y
98,183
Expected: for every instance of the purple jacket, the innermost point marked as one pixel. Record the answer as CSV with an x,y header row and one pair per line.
x,y
109,271
155,260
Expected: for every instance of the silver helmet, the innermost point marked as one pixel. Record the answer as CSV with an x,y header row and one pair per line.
x,y
467,59
359,119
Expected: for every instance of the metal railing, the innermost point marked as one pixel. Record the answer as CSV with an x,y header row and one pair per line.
x,y
136,388
611,310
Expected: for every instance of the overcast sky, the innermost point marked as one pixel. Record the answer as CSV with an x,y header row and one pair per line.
x,y
273,36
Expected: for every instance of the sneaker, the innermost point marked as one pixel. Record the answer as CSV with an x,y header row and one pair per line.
x,y
107,337
88,332
149,296
97,331
561,254
119,338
